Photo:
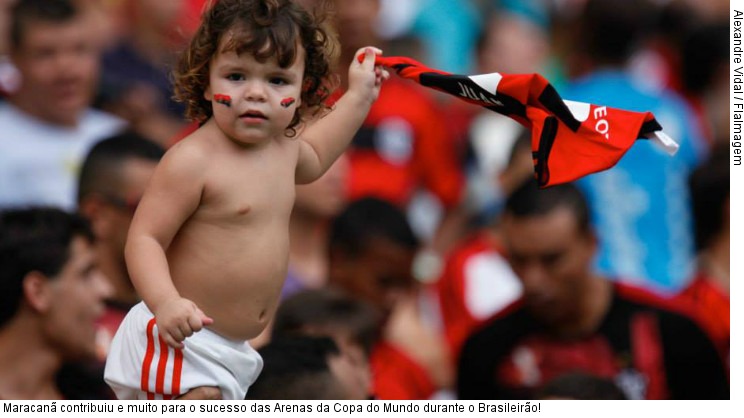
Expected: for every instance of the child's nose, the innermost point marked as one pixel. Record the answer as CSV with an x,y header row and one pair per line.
x,y
255,91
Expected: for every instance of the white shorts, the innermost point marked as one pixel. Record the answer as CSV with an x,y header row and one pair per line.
x,y
140,365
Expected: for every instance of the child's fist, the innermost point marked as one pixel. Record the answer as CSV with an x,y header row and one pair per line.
x,y
365,78
178,319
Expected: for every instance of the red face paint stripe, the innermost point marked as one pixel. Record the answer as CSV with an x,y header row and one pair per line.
x,y
223,99
289,101
145,383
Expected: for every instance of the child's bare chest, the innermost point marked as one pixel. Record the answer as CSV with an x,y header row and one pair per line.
x,y
251,187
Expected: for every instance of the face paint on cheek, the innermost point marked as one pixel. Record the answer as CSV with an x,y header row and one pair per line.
x,y
223,99
289,101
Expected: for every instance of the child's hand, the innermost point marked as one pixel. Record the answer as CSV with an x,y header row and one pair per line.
x,y
178,319
365,78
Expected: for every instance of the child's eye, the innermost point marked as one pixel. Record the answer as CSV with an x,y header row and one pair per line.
x,y
235,77
278,81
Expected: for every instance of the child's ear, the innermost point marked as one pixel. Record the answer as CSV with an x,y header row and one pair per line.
x,y
208,94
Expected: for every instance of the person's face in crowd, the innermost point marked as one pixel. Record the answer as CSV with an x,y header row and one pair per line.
x,y
380,274
355,22
5,24
513,45
325,197
354,370
552,258
351,368
709,10
59,67
110,214
158,12
117,216
73,301
162,17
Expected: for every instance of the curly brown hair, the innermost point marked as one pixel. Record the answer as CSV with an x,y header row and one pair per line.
x,y
264,28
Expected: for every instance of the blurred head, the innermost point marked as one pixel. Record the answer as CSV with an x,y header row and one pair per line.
x,y
161,24
50,279
112,180
299,367
356,22
5,24
704,69
50,43
609,31
277,30
710,10
158,13
550,247
512,43
354,326
710,186
372,248
325,197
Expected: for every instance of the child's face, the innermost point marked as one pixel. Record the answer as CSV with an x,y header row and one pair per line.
x,y
253,101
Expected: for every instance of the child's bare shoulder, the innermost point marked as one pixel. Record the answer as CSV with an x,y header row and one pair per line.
x,y
191,153
182,166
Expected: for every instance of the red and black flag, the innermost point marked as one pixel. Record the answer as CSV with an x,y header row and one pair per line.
x,y
569,139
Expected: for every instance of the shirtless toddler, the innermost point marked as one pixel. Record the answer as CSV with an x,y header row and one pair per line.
x,y
208,246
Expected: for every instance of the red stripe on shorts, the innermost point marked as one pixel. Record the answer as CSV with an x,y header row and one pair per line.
x,y
162,363
149,354
177,366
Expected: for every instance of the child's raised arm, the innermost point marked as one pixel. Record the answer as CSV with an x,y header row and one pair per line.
x,y
172,196
325,140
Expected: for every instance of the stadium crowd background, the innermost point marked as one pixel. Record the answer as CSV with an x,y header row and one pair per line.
x,y
398,254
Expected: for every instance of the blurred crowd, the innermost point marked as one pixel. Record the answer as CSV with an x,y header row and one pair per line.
x,y
425,264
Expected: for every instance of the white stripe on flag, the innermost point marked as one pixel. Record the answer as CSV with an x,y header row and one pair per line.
x,y
488,82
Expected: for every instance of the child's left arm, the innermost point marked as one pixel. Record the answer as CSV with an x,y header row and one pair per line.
x,y
326,139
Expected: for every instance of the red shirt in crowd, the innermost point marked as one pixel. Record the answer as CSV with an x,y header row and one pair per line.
x,y
396,376
403,144
476,283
